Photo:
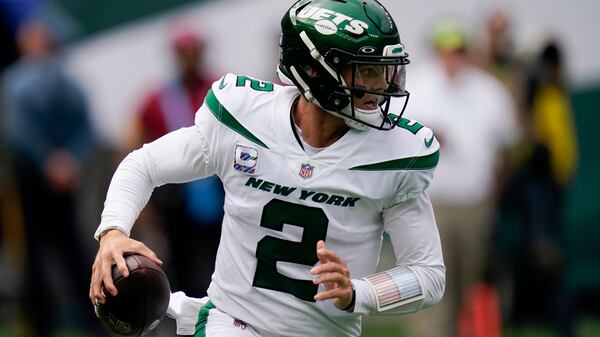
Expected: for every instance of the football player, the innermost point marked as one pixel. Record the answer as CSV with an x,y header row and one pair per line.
x,y
314,173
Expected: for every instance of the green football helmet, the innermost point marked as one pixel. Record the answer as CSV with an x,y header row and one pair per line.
x,y
326,42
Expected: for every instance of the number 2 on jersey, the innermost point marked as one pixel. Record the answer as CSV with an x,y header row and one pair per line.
x,y
270,250
254,84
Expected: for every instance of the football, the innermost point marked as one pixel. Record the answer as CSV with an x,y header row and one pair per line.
x,y
142,299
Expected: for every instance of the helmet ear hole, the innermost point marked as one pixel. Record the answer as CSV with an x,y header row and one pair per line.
x,y
312,72
339,101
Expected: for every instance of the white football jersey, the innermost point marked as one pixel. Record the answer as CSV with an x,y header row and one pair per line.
x,y
280,202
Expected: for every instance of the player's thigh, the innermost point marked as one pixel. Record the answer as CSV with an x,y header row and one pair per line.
x,y
219,324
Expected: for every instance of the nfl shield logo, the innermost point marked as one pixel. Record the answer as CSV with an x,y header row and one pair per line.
x,y
306,170
239,324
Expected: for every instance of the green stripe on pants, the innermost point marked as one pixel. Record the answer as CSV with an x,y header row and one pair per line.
x,y
202,319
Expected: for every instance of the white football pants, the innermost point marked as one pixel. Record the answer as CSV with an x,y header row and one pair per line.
x,y
212,322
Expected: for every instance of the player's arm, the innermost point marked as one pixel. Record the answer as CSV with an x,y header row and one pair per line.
x,y
418,279
416,282
177,157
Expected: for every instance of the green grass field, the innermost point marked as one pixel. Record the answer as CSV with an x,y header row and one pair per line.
x,y
382,327
372,327
376,327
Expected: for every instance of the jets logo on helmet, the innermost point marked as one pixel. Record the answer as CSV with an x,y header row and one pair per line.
x,y
328,18
329,49
326,27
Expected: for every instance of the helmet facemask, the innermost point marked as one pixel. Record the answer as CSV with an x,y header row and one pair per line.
x,y
366,87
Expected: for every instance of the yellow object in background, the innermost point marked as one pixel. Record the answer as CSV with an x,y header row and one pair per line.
x,y
553,120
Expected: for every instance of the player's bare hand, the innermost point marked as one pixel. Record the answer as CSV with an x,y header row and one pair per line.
x,y
333,273
113,244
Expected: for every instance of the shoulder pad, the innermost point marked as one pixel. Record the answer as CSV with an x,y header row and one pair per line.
x,y
410,146
240,102
238,94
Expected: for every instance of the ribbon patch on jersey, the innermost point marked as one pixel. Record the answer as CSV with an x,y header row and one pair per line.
x,y
306,170
245,159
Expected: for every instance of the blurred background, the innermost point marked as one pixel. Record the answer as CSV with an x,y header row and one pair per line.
x,y
83,83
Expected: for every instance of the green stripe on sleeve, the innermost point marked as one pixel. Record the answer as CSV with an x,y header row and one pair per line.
x,y
202,319
225,117
411,163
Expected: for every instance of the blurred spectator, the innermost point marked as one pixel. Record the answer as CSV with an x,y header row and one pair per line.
x,y
473,118
8,54
497,55
191,213
7,298
551,115
534,199
497,50
49,137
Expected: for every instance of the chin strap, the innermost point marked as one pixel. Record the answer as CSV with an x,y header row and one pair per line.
x,y
373,117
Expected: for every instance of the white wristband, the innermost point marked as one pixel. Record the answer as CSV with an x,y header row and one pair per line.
x,y
103,229
365,298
